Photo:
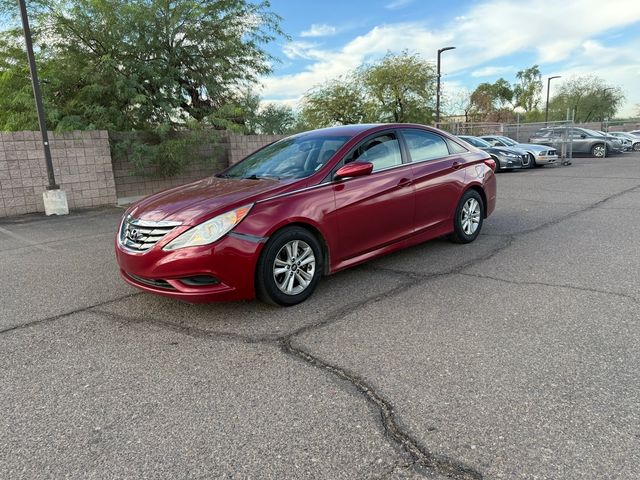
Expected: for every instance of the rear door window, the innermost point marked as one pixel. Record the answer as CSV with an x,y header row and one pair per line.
x,y
424,145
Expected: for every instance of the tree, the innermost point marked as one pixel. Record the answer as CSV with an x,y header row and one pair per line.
x,y
338,102
459,103
401,88
588,97
398,88
490,100
138,64
276,119
528,88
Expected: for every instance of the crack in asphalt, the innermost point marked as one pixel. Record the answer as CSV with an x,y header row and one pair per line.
x,y
66,314
421,455
625,296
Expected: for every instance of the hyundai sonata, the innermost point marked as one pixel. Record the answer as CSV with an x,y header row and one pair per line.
x,y
305,206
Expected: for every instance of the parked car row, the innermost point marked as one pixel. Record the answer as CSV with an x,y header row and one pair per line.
x,y
582,140
510,155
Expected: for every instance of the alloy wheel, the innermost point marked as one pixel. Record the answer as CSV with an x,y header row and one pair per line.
x,y
599,151
470,216
294,267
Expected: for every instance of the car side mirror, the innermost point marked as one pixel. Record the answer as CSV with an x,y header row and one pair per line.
x,y
583,136
354,169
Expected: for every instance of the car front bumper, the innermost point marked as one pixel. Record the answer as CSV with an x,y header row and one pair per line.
x,y
222,271
510,162
546,159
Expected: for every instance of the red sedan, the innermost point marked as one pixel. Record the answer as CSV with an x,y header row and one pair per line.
x,y
306,206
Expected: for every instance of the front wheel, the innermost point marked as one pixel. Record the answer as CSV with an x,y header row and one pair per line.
x,y
497,167
532,161
289,268
468,218
599,150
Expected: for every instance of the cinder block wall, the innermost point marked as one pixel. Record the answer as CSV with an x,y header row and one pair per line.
x,y
84,168
242,145
130,185
81,162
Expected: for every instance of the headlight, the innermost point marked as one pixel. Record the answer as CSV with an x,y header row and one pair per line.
x,y
511,155
209,231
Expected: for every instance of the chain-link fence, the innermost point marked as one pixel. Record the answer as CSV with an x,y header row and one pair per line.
x,y
553,134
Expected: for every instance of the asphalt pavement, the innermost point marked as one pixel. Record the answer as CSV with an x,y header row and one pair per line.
x,y
513,357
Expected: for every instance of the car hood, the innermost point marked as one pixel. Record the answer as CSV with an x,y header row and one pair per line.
x,y
503,150
533,147
192,203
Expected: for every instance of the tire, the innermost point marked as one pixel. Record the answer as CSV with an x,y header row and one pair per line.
x,y
498,168
599,150
276,280
532,161
636,147
464,232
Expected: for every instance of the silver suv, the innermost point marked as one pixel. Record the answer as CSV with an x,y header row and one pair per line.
x,y
583,140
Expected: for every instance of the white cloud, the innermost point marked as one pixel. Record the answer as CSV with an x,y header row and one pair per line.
x,y
492,71
319,30
395,4
550,30
303,50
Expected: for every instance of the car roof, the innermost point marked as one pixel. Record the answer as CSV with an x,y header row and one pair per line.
x,y
356,129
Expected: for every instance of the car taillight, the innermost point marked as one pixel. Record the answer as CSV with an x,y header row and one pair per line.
x,y
491,163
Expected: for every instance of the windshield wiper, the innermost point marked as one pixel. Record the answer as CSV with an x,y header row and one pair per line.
x,y
260,177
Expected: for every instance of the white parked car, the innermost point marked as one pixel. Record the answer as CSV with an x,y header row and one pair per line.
x,y
629,141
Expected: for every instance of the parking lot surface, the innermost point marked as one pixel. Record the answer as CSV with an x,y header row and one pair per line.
x,y
513,357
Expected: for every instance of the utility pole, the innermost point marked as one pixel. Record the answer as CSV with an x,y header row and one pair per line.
x,y
55,200
438,86
546,110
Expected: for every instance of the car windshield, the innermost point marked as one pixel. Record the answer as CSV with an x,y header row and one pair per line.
x,y
292,157
476,142
593,133
508,141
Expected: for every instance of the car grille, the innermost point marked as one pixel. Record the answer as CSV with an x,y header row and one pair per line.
x,y
140,235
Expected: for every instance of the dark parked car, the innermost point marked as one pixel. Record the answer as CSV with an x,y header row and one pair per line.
x,y
306,206
506,158
583,140
538,154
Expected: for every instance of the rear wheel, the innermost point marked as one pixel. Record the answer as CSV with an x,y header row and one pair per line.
x,y
599,150
289,268
636,147
468,219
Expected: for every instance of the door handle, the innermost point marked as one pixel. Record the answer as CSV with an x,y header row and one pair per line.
x,y
404,182
456,165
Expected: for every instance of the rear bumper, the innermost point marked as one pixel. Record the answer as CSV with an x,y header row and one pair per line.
x,y
229,263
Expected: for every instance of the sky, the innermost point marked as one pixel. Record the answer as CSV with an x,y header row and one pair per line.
x,y
493,39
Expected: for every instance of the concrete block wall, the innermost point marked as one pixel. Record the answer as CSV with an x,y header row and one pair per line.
x,y
130,185
84,168
242,145
81,162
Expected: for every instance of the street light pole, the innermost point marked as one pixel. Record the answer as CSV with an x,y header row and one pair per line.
x,y
36,93
440,50
546,111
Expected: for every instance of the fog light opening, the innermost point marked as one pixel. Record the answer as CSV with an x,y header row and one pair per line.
x,y
200,281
